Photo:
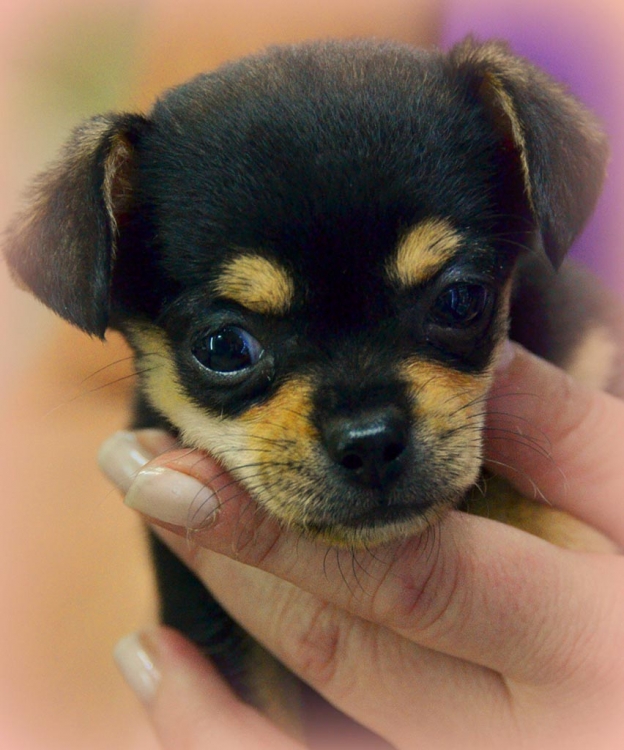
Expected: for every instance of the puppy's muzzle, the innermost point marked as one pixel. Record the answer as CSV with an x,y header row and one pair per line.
x,y
369,447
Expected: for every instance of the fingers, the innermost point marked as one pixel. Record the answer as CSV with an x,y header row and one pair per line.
x,y
188,703
552,437
473,589
376,677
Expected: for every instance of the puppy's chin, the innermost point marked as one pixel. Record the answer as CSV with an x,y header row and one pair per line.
x,y
342,516
368,533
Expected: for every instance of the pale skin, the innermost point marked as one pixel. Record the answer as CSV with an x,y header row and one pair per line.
x,y
481,636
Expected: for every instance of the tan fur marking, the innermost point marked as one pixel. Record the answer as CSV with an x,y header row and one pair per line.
x,y
259,284
423,252
440,392
449,410
593,360
281,435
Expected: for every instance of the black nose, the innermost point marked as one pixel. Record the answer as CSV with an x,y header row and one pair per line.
x,y
371,446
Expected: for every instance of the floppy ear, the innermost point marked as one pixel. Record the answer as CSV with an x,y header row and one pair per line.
x,y
62,246
561,147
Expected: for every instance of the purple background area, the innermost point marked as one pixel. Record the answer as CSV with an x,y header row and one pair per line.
x,y
566,46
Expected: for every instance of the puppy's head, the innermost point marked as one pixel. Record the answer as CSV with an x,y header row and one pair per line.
x,y
311,251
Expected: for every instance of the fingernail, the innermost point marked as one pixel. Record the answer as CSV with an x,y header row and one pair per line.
x,y
137,666
172,497
505,355
121,457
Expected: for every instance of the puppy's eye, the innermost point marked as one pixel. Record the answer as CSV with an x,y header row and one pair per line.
x,y
461,305
229,349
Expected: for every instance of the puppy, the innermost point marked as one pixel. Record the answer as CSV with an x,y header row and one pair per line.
x,y
316,254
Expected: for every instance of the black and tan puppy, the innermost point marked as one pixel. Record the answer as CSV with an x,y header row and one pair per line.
x,y
316,253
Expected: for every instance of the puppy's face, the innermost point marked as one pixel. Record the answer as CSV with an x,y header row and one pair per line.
x,y
312,252
347,396
354,425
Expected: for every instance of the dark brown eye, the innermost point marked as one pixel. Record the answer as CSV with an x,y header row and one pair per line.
x,y
229,349
461,305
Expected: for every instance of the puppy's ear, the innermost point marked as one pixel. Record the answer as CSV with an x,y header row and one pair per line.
x,y
62,246
561,147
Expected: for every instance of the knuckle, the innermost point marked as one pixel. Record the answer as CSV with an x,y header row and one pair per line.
x,y
422,596
255,542
317,644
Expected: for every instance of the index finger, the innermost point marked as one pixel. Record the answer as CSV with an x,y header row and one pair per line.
x,y
548,434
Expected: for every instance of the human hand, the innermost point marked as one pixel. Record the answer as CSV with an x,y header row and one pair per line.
x,y
479,635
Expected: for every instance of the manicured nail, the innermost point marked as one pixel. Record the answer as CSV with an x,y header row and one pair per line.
x,y
172,497
122,456
137,665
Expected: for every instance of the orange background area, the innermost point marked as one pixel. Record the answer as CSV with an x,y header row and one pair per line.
x,y
73,570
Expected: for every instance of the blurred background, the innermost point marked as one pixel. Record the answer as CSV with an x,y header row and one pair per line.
x,y
73,570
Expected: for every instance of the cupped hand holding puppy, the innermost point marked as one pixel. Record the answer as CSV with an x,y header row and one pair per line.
x,y
475,635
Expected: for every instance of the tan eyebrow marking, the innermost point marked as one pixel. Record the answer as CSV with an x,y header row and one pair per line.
x,y
257,283
423,252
